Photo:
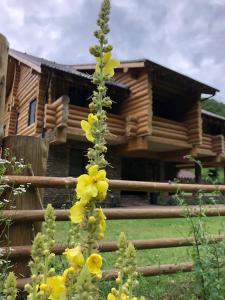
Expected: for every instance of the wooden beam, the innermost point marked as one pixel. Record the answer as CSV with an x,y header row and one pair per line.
x,y
27,216
4,48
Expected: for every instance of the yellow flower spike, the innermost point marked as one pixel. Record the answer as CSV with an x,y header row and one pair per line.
x,y
92,185
66,272
123,297
75,257
57,288
102,223
77,212
109,64
111,297
87,126
43,287
94,264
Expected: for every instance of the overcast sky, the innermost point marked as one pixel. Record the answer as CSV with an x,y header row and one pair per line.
x,y
185,35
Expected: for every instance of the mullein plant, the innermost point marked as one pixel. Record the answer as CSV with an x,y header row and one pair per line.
x,y
79,281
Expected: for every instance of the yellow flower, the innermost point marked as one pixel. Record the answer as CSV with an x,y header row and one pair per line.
x,y
57,288
102,223
111,297
109,64
87,126
123,297
43,287
67,272
77,213
94,264
92,185
75,257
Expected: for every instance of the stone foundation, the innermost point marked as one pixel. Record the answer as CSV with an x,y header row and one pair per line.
x,y
69,160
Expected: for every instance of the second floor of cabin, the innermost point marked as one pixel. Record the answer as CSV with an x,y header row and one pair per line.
x,y
156,112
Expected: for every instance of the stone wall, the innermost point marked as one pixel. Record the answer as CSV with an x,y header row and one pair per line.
x,y
60,161
58,165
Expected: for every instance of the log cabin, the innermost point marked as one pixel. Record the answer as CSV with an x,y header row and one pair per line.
x,y
156,119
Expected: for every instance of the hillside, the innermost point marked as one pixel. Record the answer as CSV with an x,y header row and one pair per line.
x,y
214,107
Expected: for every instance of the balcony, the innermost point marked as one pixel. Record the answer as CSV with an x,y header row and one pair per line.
x,y
168,135
62,122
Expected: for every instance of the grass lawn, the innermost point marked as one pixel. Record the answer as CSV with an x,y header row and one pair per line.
x,y
152,287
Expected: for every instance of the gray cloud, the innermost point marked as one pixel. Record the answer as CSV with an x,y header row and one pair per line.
x,y
188,36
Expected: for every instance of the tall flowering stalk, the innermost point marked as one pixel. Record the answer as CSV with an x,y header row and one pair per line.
x,y
88,222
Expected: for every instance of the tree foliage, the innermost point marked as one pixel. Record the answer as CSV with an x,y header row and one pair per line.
x,y
214,106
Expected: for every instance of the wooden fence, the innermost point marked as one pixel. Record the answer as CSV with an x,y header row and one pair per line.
x,y
27,216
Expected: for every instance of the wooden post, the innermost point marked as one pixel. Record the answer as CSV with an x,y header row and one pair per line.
x,y
34,151
198,173
4,47
162,178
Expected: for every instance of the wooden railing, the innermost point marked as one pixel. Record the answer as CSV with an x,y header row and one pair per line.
x,y
168,129
116,123
63,120
213,144
26,216
207,142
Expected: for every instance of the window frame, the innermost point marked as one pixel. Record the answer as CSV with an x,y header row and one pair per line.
x,y
32,118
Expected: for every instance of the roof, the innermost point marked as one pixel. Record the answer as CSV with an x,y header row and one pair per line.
x,y
210,114
143,62
37,63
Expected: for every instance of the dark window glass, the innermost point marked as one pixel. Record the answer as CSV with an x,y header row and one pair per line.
x,y
77,163
17,122
79,95
32,112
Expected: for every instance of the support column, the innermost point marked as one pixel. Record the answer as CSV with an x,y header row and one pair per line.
x,y
162,172
198,173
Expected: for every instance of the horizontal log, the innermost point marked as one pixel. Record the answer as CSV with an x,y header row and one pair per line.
x,y
182,133
25,251
128,185
144,271
116,213
141,86
172,122
169,135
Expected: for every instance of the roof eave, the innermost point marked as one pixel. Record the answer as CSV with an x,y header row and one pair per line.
x,y
26,62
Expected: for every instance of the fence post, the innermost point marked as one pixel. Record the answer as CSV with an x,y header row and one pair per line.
x,y
4,47
34,151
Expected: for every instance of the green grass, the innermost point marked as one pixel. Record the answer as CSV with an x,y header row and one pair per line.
x,y
152,287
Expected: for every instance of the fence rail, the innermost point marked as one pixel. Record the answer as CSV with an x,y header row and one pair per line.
x,y
118,213
62,182
58,249
144,271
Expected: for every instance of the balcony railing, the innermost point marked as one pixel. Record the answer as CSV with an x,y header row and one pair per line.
x,y
169,130
62,121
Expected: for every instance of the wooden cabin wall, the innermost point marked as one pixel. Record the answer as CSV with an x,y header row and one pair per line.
x,y
27,91
139,103
193,121
44,91
11,100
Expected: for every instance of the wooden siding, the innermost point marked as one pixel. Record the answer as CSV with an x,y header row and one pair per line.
x,y
12,100
139,103
24,89
193,122
27,90
168,129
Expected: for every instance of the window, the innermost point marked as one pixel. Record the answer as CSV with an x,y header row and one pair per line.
x,y
32,112
17,122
